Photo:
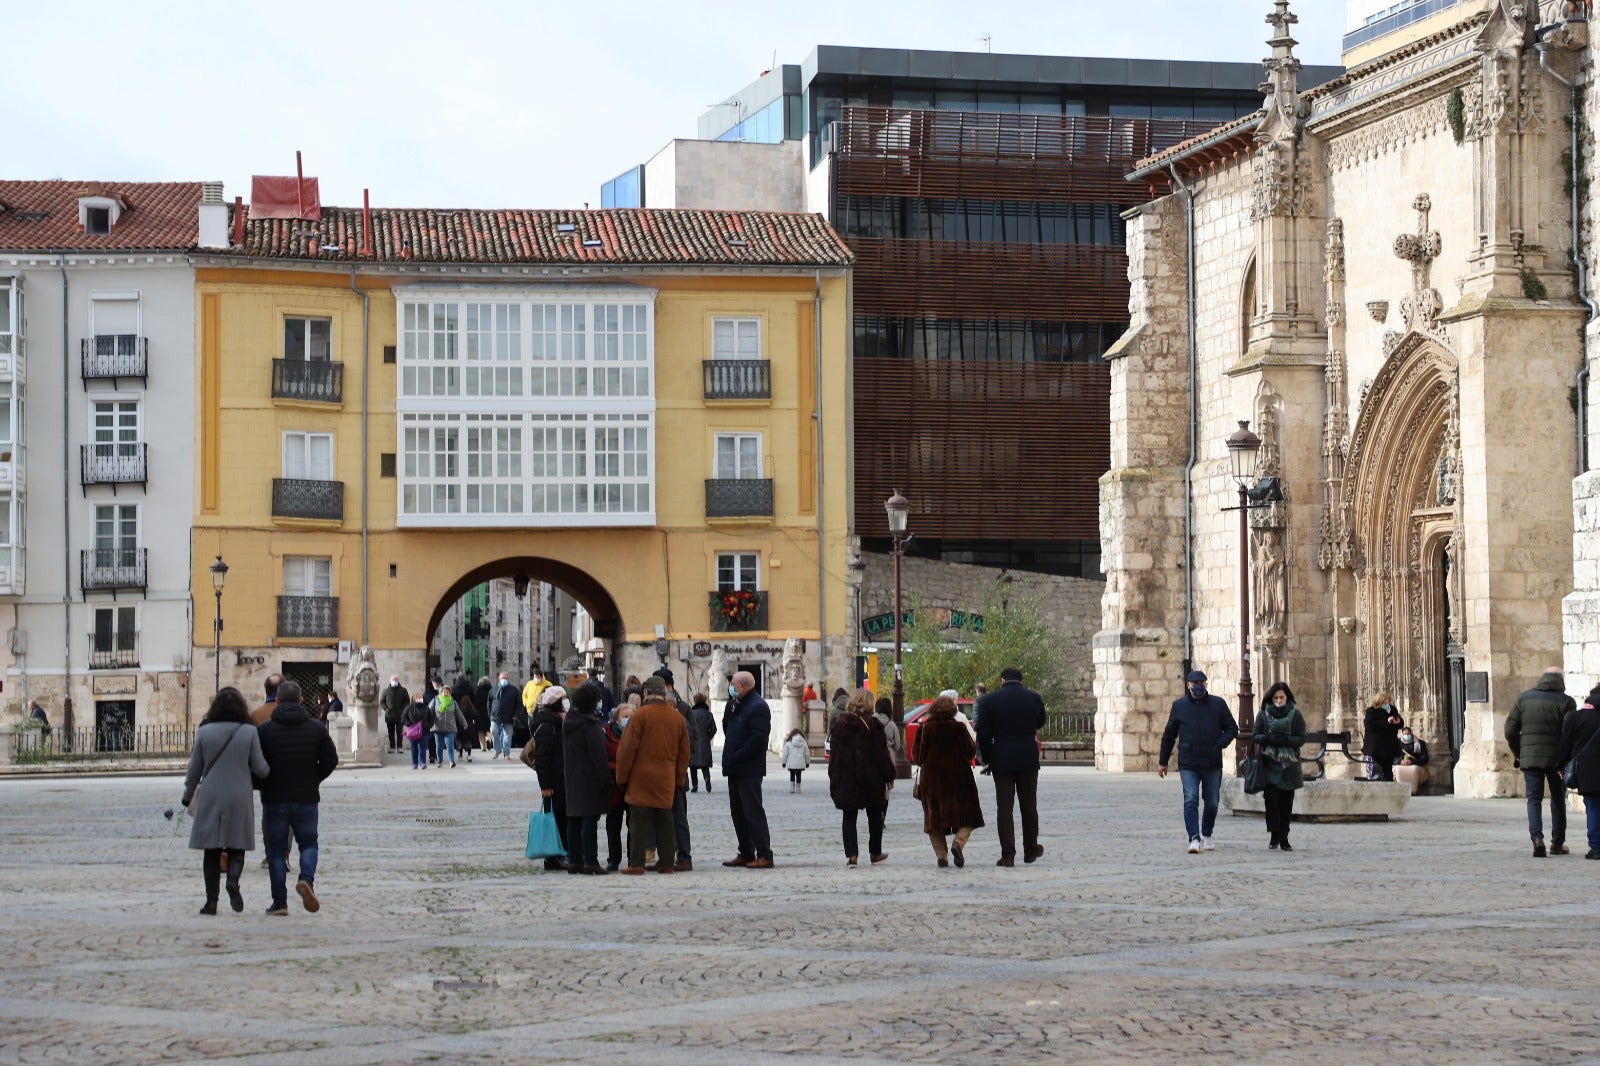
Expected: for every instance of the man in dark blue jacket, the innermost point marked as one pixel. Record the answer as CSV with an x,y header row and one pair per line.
x,y
1203,727
1008,723
504,703
746,729
301,754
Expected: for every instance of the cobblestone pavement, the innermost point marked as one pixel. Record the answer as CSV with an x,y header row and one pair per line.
x,y
1436,937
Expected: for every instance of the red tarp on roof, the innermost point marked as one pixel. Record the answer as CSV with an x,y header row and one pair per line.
x,y
273,197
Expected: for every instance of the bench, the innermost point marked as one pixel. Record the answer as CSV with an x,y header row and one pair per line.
x,y
1321,800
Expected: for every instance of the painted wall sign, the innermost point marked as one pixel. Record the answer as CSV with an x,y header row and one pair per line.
x,y
942,617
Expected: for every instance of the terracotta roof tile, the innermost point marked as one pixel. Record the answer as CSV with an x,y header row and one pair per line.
x,y
43,215
652,236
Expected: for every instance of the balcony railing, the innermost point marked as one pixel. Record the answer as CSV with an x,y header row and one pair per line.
x,y
308,616
316,380
739,497
301,498
110,569
123,655
738,379
738,611
120,355
114,464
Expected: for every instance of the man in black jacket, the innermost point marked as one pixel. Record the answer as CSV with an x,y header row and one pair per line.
x,y
1009,720
394,701
1202,726
746,730
504,703
545,755
1533,732
301,754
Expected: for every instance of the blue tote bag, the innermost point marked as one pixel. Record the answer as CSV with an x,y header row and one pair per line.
x,y
544,839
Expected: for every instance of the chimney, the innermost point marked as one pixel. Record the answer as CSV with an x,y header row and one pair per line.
x,y
213,216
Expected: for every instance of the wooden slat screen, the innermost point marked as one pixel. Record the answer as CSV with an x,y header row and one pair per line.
x,y
984,450
980,280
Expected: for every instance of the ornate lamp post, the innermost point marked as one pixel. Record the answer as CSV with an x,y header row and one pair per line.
x,y
897,507
219,575
1243,447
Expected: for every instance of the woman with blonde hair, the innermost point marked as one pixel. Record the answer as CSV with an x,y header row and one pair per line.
x,y
860,774
944,749
1380,737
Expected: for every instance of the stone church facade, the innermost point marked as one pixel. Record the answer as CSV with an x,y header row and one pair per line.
x,y
1378,274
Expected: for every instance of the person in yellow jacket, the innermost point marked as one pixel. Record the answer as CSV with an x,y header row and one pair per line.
x,y
533,690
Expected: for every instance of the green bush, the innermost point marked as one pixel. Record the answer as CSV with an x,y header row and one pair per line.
x,y
1015,633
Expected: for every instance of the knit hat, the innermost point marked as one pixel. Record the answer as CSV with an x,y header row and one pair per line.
x,y
655,684
664,674
553,694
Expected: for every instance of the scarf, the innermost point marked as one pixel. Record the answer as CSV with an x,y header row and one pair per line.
x,y
1279,753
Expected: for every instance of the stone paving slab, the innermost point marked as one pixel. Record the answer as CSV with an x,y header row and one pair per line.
x,y
1432,937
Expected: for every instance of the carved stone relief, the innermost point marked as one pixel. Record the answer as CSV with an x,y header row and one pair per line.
x,y
1421,306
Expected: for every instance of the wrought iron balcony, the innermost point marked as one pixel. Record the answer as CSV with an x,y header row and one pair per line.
x,y
738,379
120,355
308,616
111,569
113,464
739,497
123,653
316,380
300,498
738,611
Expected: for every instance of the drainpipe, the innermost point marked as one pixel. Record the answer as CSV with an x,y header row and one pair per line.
x,y
366,309
1194,423
822,532
67,721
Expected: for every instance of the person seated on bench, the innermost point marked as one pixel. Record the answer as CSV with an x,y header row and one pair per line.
x,y
1411,765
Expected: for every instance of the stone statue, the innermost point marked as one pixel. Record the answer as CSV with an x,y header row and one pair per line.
x,y
794,668
361,683
361,687
717,675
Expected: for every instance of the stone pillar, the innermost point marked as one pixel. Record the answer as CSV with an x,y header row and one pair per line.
x,y
8,743
370,734
343,731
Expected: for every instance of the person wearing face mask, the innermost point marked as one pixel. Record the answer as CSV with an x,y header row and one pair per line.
x,y
1202,727
1280,729
617,810
1380,732
394,701
746,731
1411,768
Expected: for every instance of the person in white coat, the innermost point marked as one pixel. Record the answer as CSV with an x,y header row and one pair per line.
x,y
796,757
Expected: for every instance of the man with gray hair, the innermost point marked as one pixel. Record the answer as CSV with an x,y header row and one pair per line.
x,y
746,730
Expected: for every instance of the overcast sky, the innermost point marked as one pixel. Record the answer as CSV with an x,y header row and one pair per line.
x,y
478,103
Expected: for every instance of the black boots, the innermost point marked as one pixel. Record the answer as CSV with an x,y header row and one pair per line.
x,y
213,875
235,868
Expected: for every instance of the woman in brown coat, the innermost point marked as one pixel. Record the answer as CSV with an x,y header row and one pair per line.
x,y
860,773
949,794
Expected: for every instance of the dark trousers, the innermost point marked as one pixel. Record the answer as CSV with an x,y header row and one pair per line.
x,y
875,816
616,816
703,771
558,806
583,845
397,740
1024,788
640,821
1534,782
749,817
1280,810
680,821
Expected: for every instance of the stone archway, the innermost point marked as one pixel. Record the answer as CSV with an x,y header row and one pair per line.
x,y
1401,503
582,586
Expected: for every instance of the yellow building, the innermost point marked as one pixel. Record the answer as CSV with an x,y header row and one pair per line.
x,y
647,409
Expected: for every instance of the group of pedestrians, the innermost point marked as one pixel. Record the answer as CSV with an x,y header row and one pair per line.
x,y
286,757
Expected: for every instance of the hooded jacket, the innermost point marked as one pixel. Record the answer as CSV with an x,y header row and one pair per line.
x,y
299,752
1533,728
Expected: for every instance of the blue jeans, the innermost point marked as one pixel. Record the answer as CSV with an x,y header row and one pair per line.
x,y
1533,782
500,737
447,743
1591,807
1195,783
419,753
278,820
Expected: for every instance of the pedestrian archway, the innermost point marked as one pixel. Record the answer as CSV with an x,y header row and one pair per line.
x,y
528,570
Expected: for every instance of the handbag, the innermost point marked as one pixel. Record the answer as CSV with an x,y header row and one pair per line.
x,y
544,839
1252,774
414,731
1571,768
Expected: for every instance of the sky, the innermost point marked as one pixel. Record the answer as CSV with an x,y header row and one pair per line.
x,y
487,104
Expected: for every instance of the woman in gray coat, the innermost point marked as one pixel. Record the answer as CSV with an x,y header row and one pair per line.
x,y
226,758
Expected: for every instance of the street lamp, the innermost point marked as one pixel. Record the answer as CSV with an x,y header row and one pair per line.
x,y
1243,446
897,507
219,575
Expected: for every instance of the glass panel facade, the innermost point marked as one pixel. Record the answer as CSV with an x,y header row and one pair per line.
x,y
624,190
994,341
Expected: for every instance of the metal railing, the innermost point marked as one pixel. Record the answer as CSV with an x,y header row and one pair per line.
x,y
114,464
304,498
1068,725
738,497
316,380
124,655
308,616
743,611
115,356
114,568
112,742
737,379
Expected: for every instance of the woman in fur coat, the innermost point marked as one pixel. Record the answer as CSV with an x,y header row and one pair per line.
x,y
943,749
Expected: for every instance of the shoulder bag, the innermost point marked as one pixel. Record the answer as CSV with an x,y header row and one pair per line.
x,y
194,797
1252,774
1571,768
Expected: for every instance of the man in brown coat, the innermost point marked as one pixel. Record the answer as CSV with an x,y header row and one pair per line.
x,y
652,764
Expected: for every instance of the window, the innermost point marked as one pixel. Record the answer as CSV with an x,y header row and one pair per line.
x,y
116,530
308,456
115,630
9,512
6,420
97,221
736,455
9,301
494,350
114,318
736,338
307,575
307,338
115,428
738,571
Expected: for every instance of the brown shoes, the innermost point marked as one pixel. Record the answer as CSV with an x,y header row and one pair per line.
x,y
759,864
663,868
738,860
880,857
683,866
633,869
307,897
1033,853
